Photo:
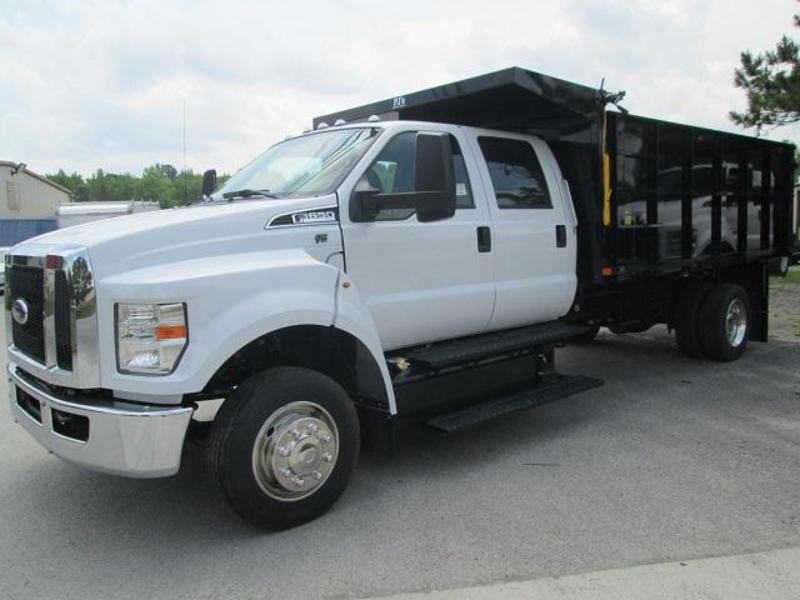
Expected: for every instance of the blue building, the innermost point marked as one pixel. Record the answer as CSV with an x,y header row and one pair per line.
x,y
28,203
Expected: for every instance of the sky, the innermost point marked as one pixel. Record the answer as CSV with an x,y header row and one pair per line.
x,y
103,84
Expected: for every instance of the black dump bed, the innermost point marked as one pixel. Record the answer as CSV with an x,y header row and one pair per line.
x,y
671,198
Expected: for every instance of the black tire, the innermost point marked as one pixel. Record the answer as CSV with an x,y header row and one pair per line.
x,y
779,266
686,318
720,339
586,338
238,428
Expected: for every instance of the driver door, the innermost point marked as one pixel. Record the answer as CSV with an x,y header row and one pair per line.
x,y
421,282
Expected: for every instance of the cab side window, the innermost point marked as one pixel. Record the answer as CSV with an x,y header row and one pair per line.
x,y
392,172
517,176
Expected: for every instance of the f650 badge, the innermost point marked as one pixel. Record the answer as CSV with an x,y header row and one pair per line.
x,y
314,216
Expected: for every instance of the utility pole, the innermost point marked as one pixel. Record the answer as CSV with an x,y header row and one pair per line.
x,y
185,191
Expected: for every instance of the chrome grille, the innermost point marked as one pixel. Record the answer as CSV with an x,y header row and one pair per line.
x,y
59,343
27,284
63,321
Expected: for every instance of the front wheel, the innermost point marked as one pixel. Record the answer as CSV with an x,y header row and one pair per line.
x,y
283,446
724,324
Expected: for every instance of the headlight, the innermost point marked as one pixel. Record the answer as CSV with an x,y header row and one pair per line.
x,y
151,338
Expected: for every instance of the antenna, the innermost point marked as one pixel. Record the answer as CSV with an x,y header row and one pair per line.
x,y
614,98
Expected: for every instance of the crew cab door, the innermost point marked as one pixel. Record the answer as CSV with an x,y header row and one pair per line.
x,y
421,282
535,246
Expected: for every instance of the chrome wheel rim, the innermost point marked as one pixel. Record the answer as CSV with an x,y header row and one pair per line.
x,y
295,451
736,322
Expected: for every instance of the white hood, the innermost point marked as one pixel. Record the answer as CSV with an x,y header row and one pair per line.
x,y
140,240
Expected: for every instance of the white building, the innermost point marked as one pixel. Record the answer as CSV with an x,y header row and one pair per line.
x,y
28,203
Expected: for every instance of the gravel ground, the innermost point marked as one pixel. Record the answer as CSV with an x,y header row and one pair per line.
x,y
784,313
672,459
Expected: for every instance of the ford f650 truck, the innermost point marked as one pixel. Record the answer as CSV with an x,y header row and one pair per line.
x,y
415,259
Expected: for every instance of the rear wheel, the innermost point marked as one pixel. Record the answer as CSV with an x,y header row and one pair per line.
x,y
779,266
687,313
724,322
283,447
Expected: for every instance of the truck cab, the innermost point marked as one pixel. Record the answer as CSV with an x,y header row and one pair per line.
x,y
140,319
424,281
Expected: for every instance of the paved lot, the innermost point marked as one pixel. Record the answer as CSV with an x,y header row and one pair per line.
x,y
671,459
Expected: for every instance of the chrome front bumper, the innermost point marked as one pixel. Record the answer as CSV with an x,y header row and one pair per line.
x,y
108,436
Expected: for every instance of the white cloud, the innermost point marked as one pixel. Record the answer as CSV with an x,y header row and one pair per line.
x,y
102,83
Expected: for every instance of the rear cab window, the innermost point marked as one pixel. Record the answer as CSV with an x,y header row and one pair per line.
x,y
517,176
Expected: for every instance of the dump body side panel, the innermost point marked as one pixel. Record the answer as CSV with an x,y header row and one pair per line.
x,y
686,197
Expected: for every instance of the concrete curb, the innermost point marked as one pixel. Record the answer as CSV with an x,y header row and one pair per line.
x,y
762,575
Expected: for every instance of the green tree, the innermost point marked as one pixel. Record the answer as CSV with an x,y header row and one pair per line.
x,y
121,187
772,83
156,186
74,183
99,186
159,182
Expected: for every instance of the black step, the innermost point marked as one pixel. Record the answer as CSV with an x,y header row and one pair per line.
x,y
560,386
477,347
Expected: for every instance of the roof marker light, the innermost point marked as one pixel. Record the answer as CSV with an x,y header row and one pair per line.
x,y
323,125
339,122
373,119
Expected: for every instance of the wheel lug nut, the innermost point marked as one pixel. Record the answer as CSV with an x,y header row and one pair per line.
x,y
283,451
325,438
313,428
327,457
286,471
296,434
298,482
317,475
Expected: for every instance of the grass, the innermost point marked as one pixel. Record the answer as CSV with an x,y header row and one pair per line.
x,y
793,276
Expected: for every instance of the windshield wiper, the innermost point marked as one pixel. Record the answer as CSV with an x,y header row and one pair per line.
x,y
248,194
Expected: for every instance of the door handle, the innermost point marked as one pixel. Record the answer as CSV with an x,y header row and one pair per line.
x,y
561,236
484,239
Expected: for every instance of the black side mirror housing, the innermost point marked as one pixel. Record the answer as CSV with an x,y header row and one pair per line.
x,y
434,178
363,203
434,195
209,182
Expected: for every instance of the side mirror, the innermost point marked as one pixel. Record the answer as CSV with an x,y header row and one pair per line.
x,y
209,182
434,179
363,203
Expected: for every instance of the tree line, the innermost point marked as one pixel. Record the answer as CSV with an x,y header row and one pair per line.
x,y
160,183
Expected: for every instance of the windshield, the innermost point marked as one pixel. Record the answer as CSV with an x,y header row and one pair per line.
x,y
310,165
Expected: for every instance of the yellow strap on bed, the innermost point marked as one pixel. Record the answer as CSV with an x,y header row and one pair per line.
x,y
606,175
606,188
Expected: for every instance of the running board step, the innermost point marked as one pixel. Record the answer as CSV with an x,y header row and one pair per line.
x,y
560,386
473,348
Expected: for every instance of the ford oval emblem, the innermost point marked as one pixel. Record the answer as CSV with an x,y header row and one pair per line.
x,y
20,311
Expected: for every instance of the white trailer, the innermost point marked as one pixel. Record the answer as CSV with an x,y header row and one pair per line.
x,y
85,212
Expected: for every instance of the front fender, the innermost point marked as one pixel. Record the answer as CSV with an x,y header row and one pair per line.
x,y
231,301
353,317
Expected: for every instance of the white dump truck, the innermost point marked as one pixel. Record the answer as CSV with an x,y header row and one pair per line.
x,y
414,260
